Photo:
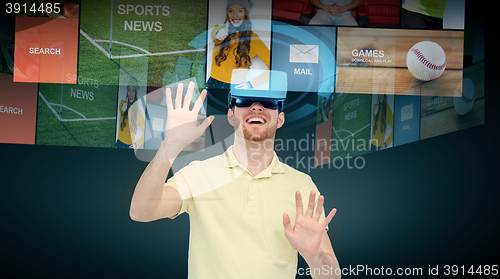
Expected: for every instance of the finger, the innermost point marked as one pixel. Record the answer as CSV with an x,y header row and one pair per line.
x,y
329,217
286,223
310,206
168,96
319,208
206,123
178,96
199,102
189,95
298,204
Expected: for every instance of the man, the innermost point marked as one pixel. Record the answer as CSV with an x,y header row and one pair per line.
x,y
335,12
240,203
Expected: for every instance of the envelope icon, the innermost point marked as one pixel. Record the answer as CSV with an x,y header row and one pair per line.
x,y
406,112
158,124
304,53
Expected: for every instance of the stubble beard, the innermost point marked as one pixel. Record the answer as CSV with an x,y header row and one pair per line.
x,y
261,137
268,134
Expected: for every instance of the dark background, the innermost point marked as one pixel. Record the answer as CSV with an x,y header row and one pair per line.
x,y
432,202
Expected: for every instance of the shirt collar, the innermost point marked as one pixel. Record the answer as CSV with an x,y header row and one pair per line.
x,y
230,161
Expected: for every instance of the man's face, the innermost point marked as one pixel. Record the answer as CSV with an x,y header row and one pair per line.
x,y
255,123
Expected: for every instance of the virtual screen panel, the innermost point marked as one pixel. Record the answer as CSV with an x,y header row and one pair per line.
x,y
86,65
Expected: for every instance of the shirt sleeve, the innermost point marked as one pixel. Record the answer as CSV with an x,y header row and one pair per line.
x,y
142,124
390,119
179,183
260,49
139,124
120,106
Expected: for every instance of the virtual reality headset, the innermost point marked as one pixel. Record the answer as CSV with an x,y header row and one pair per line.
x,y
264,86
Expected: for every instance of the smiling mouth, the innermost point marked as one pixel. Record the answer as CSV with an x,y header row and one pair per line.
x,y
256,120
236,20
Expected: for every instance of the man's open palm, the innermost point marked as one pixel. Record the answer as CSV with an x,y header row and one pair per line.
x,y
305,236
181,127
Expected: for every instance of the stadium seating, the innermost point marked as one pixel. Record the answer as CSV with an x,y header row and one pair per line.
x,y
380,13
292,11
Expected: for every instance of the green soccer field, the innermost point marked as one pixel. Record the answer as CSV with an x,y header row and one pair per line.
x,y
95,94
73,131
351,125
81,99
82,133
184,22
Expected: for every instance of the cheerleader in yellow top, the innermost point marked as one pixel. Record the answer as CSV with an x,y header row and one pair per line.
x,y
127,132
382,135
235,46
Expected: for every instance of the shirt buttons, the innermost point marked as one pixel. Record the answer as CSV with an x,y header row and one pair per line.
x,y
252,196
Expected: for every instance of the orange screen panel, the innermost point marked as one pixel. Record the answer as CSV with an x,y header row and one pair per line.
x,y
17,111
46,49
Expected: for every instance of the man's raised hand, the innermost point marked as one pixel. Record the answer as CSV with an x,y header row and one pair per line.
x,y
181,127
306,235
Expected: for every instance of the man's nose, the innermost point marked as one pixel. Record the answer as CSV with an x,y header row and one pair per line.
x,y
257,107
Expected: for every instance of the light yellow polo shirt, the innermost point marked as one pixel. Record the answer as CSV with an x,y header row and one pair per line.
x,y
237,219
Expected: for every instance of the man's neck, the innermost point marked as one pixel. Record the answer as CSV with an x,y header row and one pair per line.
x,y
254,156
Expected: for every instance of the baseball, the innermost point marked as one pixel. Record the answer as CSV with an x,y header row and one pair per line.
x,y
465,94
426,60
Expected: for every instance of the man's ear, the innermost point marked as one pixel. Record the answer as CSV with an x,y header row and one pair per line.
x,y
230,117
281,119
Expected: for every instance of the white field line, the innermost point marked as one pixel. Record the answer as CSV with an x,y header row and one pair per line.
x,y
351,135
335,131
159,53
66,107
94,43
346,131
125,44
54,104
48,105
146,53
88,119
